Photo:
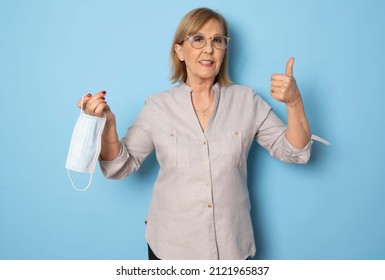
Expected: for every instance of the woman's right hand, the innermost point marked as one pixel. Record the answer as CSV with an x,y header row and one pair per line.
x,y
97,106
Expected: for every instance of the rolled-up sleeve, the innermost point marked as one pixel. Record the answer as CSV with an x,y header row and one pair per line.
x,y
291,154
135,146
113,168
271,136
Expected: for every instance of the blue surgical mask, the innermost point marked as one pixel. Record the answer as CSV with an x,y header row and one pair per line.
x,y
85,146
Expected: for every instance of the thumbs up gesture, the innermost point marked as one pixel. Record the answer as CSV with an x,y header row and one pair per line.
x,y
284,87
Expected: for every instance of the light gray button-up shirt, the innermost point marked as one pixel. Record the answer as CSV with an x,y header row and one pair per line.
x,y
200,206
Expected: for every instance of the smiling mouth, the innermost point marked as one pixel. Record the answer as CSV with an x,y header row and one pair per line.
x,y
206,62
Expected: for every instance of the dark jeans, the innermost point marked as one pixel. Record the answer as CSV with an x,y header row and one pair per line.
x,y
151,255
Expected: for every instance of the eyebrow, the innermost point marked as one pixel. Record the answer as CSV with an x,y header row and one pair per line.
x,y
200,33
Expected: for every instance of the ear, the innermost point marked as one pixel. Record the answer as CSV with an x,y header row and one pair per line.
x,y
178,51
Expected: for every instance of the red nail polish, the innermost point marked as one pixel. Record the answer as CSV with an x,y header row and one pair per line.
x,y
104,92
103,98
89,95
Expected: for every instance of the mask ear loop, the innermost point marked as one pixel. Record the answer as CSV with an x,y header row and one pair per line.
x,y
73,184
69,175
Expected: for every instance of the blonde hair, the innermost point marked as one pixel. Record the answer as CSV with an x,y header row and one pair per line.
x,y
190,24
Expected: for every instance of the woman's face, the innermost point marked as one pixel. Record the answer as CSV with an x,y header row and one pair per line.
x,y
203,64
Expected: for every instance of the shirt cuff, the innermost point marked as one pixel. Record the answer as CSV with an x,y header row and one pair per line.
x,y
297,152
319,139
111,167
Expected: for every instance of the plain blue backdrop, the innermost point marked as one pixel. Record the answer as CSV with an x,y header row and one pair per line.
x,y
52,52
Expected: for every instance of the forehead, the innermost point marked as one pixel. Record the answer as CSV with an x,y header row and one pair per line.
x,y
211,27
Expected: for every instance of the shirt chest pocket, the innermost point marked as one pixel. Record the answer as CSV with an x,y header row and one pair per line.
x,y
173,150
226,149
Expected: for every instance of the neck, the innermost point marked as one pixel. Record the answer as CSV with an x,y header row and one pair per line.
x,y
202,89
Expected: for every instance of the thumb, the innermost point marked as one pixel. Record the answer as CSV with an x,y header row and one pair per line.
x,y
289,67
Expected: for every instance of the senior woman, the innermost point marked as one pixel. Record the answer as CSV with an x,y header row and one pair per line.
x,y
202,131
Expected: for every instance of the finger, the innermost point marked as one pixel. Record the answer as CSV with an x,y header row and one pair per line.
x,y
97,97
99,109
85,99
289,67
96,104
92,105
277,94
101,93
277,83
274,90
280,77
277,90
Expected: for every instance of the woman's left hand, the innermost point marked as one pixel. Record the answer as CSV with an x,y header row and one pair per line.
x,y
284,87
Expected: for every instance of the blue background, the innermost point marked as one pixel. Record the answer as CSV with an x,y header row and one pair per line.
x,y
52,52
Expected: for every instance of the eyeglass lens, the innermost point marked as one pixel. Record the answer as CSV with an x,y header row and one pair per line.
x,y
199,41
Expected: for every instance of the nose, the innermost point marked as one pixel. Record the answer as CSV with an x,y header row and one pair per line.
x,y
209,48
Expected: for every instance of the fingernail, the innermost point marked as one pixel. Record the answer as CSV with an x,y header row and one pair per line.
x,y
103,98
89,95
104,92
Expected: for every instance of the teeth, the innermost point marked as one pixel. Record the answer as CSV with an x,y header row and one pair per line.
x,y
206,62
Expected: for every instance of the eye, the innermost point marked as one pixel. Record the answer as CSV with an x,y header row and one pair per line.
x,y
219,40
198,38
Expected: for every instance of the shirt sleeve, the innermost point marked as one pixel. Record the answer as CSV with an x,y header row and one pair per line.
x,y
135,146
271,136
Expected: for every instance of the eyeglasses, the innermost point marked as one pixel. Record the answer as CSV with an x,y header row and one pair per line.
x,y
198,41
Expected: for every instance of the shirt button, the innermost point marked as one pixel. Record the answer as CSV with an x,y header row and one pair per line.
x,y
208,184
204,142
210,206
237,133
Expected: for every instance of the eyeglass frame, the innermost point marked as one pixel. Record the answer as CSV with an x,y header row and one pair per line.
x,y
189,37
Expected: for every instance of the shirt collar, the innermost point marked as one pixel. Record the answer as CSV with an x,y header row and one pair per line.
x,y
186,89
